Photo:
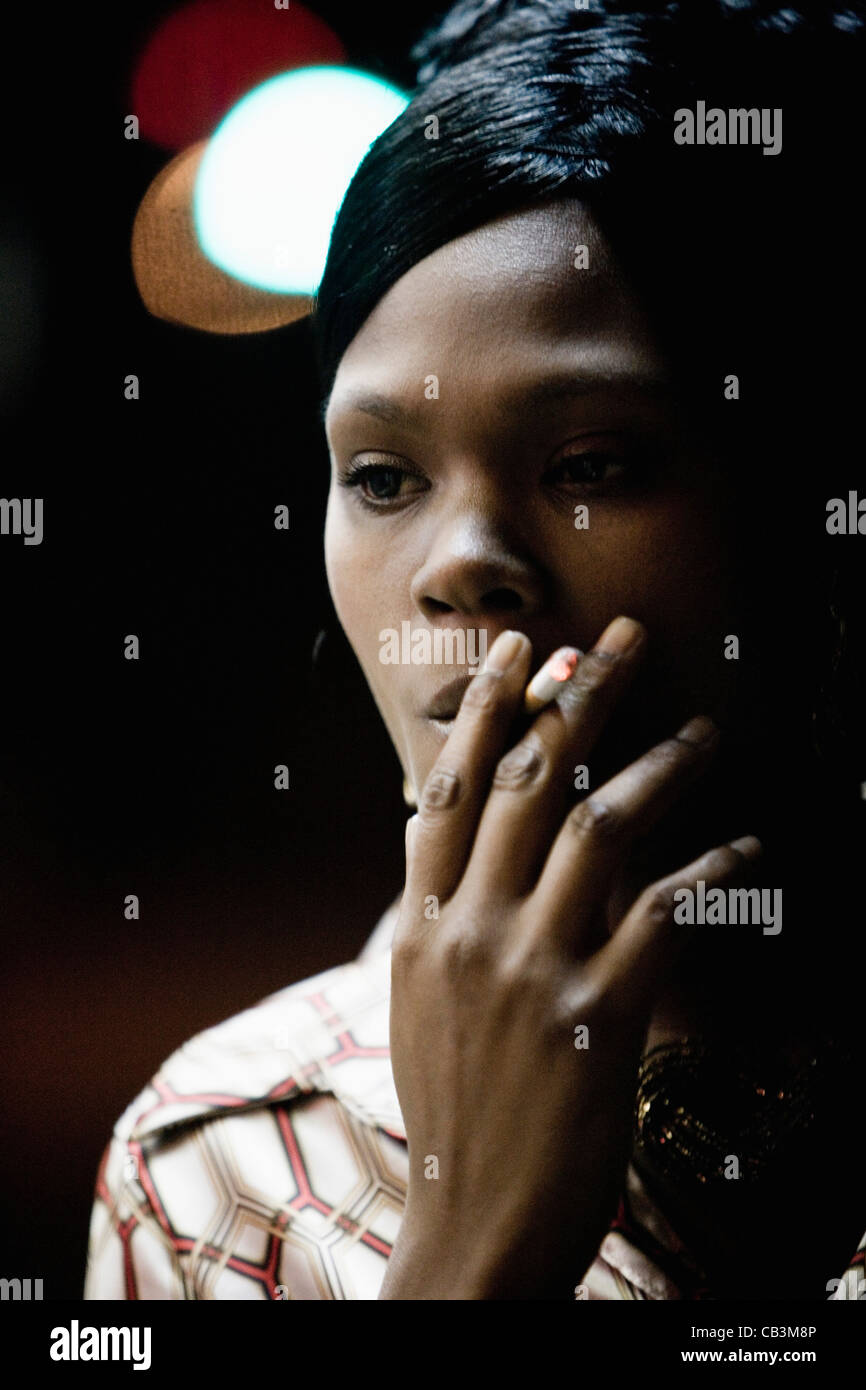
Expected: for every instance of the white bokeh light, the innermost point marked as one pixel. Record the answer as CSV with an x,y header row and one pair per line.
x,y
277,168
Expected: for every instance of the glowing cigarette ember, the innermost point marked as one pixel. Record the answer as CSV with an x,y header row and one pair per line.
x,y
546,685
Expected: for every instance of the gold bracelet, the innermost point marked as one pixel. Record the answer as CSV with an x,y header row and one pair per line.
x,y
698,1107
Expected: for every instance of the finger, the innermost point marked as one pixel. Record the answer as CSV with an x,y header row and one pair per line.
x,y
533,782
599,831
453,795
641,951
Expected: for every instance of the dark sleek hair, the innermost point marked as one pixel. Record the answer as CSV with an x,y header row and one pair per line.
x,y
742,259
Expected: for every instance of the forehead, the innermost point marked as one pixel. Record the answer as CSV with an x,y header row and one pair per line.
x,y
499,302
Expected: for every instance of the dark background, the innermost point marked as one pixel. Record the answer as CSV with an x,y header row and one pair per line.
x,y
155,777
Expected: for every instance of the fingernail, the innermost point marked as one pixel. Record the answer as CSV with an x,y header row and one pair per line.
x,y
619,637
504,651
698,730
749,845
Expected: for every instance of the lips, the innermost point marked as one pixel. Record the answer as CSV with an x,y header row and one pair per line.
x,y
446,702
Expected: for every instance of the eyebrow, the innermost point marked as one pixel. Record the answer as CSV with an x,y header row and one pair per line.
x,y
539,393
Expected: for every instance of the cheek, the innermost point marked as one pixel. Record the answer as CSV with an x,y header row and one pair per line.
x,y
349,576
668,563
665,563
363,594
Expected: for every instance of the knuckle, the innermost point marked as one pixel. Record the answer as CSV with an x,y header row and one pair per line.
x,y
520,767
593,671
589,995
484,692
441,790
464,951
512,976
657,905
586,1001
526,966
595,819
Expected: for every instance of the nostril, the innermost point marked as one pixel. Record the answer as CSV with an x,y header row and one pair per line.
x,y
502,601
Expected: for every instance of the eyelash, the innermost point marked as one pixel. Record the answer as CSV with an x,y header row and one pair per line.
x,y
637,463
356,474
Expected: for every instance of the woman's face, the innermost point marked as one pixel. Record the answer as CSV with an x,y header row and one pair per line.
x,y
493,390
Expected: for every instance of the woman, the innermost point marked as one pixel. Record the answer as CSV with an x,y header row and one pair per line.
x,y
568,358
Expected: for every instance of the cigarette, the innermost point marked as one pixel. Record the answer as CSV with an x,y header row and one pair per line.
x,y
546,685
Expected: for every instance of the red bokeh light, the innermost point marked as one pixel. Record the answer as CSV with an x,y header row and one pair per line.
x,y
206,56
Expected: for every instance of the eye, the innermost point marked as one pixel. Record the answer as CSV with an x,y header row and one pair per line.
x,y
591,466
380,483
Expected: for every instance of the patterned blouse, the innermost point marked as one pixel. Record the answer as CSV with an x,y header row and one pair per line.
x,y
267,1159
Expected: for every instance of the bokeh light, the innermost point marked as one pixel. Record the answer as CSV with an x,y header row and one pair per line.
x,y
175,279
276,170
202,59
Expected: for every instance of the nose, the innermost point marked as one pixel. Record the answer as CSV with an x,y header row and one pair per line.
x,y
475,570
